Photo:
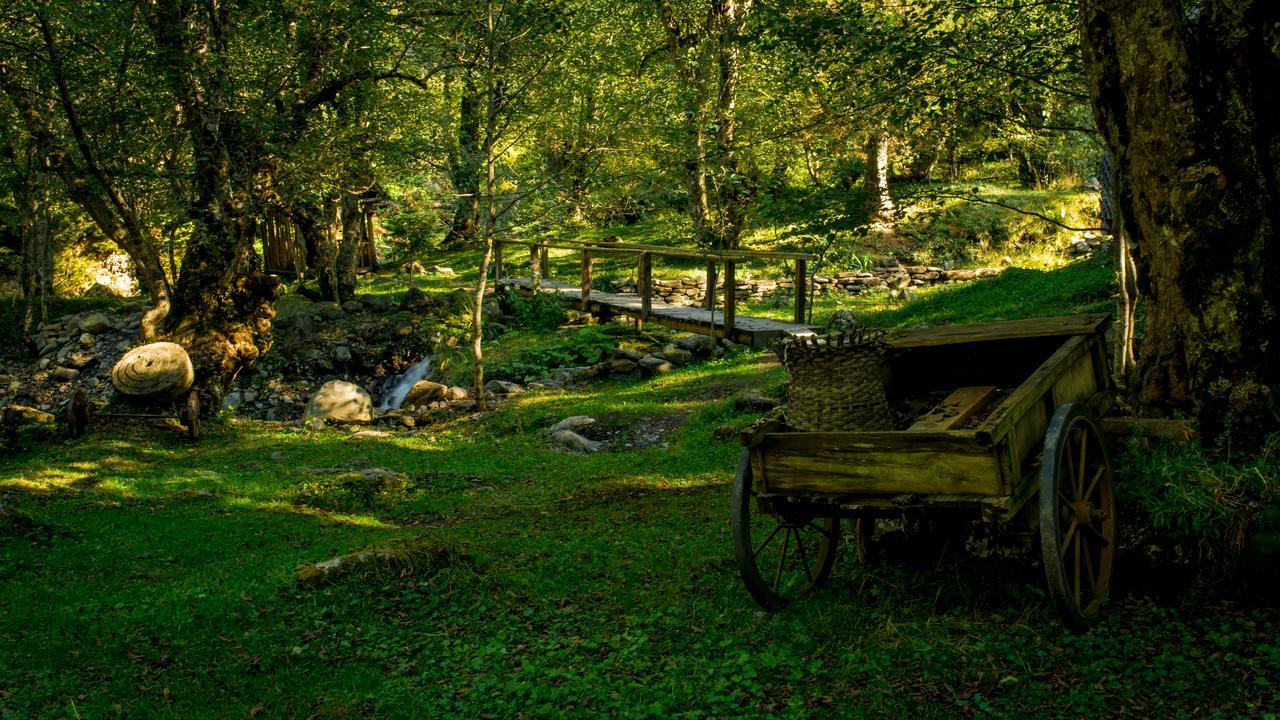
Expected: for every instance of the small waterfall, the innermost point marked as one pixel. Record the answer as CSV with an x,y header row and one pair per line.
x,y
397,387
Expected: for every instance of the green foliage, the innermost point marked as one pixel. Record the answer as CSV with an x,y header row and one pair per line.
x,y
536,312
1192,498
569,348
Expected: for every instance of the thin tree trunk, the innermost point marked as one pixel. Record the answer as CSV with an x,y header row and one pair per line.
x,y
494,92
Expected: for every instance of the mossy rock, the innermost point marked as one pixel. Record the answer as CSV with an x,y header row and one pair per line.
x,y
398,557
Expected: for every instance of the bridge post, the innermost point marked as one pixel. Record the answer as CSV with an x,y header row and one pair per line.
x,y
644,277
535,267
586,281
801,291
730,297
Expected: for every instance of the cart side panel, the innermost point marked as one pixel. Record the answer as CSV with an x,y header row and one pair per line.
x,y
884,463
1076,380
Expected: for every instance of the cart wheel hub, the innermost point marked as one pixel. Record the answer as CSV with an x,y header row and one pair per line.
x,y
1083,512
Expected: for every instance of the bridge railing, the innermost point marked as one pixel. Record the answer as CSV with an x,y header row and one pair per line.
x,y
729,260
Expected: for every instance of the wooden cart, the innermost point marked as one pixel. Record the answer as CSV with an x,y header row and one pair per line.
x,y
998,416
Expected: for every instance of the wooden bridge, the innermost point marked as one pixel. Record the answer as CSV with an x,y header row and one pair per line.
x,y
722,323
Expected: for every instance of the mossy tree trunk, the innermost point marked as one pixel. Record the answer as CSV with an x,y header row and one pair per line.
x,y
1188,102
223,302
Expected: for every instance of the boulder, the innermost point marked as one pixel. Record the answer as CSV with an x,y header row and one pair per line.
x,y
625,354
23,415
327,310
573,441
441,270
677,355
414,299
457,394
339,401
157,370
655,366
352,306
753,401
697,344
572,423
94,323
423,392
546,384
341,354
621,366
502,387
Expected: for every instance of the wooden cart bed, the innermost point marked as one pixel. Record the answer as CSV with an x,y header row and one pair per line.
x,y
986,393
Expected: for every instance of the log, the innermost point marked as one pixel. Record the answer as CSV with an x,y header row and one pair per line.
x,y
1160,428
156,371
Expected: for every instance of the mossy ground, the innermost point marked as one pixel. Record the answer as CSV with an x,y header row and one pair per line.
x,y
592,585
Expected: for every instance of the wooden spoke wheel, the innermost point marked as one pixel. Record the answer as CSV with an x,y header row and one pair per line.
x,y
1077,515
78,414
782,552
189,416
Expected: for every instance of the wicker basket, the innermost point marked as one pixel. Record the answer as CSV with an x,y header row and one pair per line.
x,y
837,382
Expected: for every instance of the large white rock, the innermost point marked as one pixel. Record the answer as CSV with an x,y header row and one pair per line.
x,y
157,370
341,402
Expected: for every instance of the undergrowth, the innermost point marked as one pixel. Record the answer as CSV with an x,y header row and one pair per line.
x,y
1211,512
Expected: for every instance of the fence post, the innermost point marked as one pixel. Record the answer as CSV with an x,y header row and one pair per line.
x,y
801,291
497,261
542,260
586,281
645,279
730,297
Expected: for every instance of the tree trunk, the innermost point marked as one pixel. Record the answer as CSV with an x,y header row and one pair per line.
x,y
689,61
1190,108
732,193
222,305
464,169
315,228
35,277
879,200
352,222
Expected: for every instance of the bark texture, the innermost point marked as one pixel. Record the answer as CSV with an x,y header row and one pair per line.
x,y
464,168
223,304
1188,101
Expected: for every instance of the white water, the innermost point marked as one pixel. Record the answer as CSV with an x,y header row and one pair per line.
x,y
397,387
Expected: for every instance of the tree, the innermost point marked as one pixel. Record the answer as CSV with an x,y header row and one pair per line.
x,y
1187,99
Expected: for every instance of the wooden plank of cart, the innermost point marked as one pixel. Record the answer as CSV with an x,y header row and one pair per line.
x,y
1006,429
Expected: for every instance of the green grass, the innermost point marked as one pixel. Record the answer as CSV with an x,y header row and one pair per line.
x,y
581,585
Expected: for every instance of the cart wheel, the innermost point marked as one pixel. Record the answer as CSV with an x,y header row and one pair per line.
x,y
190,415
795,551
77,414
1077,515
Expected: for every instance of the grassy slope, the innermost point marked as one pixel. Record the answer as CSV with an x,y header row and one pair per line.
x,y
595,584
